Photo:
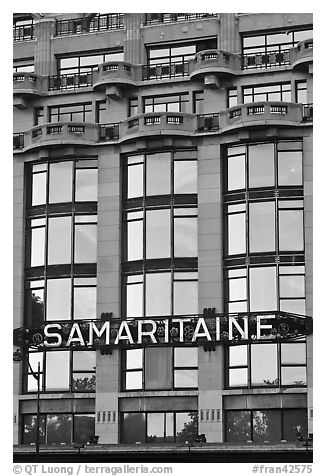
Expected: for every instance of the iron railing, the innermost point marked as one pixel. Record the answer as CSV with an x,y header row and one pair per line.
x,y
265,60
307,112
70,81
207,122
109,131
18,140
24,32
153,18
166,70
109,21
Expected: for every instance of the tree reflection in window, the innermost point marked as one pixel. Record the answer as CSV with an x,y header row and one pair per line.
x,y
186,426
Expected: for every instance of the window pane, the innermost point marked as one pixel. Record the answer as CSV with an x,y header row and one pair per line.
x,y
158,364
186,426
84,303
60,184
30,427
85,243
158,235
134,300
238,289
297,306
185,176
34,307
294,421
86,185
134,380
291,230
169,426
58,300
158,174
39,189
293,353
263,289
238,307
135,181
158,294
59,240
185,237
134,359
290,168
236,172
238,426
186,378
155,427
236,233
261,165
37,246
292,286
83,382
84,428
294,376
85,360
238,355
185,299
185,356
135,240
267,426
238,377
133,428
58,429
57,380
264,364
262,226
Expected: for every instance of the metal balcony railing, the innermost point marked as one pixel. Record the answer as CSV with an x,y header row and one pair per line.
x,y
166,70
307,112
18,140
154,18
109,21
24,32
208,122
109,131
265,60
70,81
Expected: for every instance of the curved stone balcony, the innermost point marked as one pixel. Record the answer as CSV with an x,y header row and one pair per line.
x,y
301,56
158,123
116,73
269,113
216,62
26,85
61,133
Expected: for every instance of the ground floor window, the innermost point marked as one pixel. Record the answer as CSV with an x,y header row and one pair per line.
x,y
58,428
153,427
261,426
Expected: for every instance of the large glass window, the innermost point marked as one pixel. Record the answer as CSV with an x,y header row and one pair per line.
x,y
172,103
76,112
87,63
268,92
284,364
165,368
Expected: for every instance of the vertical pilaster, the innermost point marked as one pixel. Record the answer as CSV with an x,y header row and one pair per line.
x,y
134,50
45,63
229,33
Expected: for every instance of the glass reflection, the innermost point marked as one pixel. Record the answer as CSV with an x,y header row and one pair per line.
x,y
135,240
158,174
261,165
85,243
57,380
290,167
35,306
297,306
134,380
158,294
264,364
185,237
133,428
186,426
293,353
262,226
263,289
266,426
185,176
58,301
238,426
293,376
84,303
236,172
185,298
134,359
238,355
58,429
83,382
238,289
38,189
86,185
158,235
84,428
294,421
158,368
155,426
186,378
30,427
85,360
60,182
291,230
37,246
238,377
135,181
236,233
185,356
59,240
292,286
134,300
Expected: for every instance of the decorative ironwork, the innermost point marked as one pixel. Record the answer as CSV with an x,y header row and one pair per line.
x,y
70,81
109,131
153,18
109,21
18,140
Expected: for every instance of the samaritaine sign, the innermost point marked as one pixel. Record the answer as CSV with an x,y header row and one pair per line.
x,y
184,329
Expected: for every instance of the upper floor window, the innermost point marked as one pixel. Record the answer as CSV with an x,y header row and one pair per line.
x,y
232,97
23,29
23,67
160,368
268,92
87,63
133,107
75,112
301,91
171,103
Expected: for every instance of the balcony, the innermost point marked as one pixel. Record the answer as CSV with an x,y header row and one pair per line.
x,y
24,32
216,62
18,141
61,133
177,69
301,56
161,123
155,18
29,84
262,113
77,26
118,74
109,131
68,82
264,60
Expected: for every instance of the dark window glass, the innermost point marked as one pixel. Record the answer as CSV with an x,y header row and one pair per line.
x,y
238,426
34,303
186,426
158,373
58,299
59,240
58,428
294,421
266,373
30,428
84,428
133,428
267,426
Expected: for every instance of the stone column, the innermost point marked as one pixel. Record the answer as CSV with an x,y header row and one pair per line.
x,y
134,51
229,33
45,62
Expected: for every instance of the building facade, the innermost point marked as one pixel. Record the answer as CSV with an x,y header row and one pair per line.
x,y
162,172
